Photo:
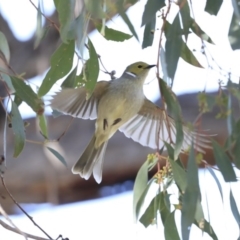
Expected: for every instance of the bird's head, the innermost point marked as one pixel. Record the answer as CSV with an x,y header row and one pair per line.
x,y
138,70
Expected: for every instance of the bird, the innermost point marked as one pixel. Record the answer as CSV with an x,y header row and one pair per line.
x,y
120,104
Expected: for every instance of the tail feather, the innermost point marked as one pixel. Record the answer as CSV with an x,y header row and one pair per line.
x,y
91,161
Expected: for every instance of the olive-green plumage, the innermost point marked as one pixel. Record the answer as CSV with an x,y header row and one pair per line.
x,y
120,104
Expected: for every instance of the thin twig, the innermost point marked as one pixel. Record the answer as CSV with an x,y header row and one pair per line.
x,y
17,230
18,205
12,229
66,129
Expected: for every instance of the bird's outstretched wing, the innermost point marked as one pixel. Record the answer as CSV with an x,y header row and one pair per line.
x,y
73,102
152,126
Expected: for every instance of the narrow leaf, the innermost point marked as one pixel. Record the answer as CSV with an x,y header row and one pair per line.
x,y
8,81
170,229
26,93
61,63
66,17
216,180
150,10
92,68
125,18
58,156
18,130
199,32
234,208
69,82
191,196
43,125
112,34
213,6
186,18
149,31
4,48
208,229
188,56
39,30
95,8
234,33
223,162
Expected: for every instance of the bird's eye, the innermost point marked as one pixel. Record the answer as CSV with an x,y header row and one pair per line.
x,y
139,66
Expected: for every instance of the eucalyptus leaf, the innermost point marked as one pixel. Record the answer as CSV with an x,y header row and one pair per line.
x,y
8,81
42,121
39,30
234,208
58,156
66,17
26,93
95,8
18,130
207,228
191,196
69,82
149,31
92,68
186,18
234,33
150,10
61,63
170,229
223,162
4,48
213,6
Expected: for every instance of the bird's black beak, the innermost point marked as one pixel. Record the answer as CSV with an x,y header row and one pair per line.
x,y
150,66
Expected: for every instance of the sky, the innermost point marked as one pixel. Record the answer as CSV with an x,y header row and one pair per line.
x,y
112,216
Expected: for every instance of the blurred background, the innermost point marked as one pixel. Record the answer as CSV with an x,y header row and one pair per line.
x,y
62,203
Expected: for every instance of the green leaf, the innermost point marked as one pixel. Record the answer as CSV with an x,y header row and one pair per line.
x,y
39,30
4,48
17,100
216,180
58,156
42,121
188,56
150,213
8,81
112,34
18,130
223,162
61,63
164,209
150,10
81,27
191,196
199,215
175,110
66,16
234,208
92,68
199,32
26,93
213,6
179,174
170,229
125,18
208,229
186,18
149,31
234,33
95,8
236,8
69,82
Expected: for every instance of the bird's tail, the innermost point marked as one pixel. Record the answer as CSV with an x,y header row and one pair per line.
x,y
91,161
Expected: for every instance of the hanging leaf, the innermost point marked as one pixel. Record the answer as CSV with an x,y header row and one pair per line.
x,y
8,81
112,34
213,6
26,93
39,30
92,68
208,229
148,35
18,130
61,63
65,11
69,82
58,156
191,196
150,10
42,121
95,8
4,48
125,18
186,18
175,110
234,33
170,228
223,162
234,208
188,56
179,174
